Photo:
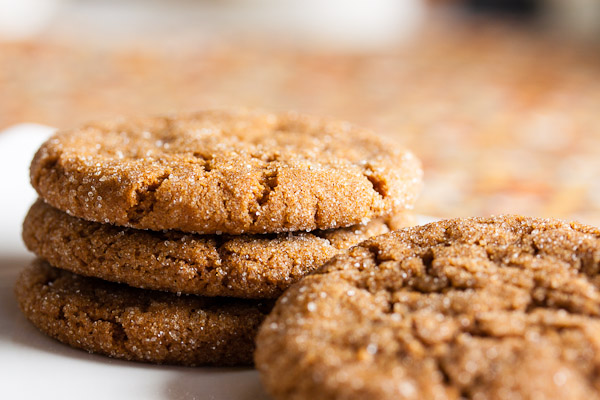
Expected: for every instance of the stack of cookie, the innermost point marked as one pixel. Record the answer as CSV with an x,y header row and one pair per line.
x,y
166,239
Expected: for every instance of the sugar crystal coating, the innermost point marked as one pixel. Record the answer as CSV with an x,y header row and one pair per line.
x,y
485,308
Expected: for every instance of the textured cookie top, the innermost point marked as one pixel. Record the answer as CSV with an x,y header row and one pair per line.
x,y
499,308
249,266
141,325
232,172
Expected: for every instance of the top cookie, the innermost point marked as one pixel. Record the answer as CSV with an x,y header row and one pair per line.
x,y
224,171
498,308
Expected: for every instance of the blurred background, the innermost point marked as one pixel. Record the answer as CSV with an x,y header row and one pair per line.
x,y
499,99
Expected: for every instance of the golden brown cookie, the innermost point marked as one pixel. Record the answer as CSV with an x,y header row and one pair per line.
x,y
497,308
247,266
225,171
140,325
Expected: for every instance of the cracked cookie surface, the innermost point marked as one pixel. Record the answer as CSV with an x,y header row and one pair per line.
x,y
485,308
246,266
225,171
139,325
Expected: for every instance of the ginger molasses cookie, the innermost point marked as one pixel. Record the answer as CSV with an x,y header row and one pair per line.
x,y
140,325
225,171
247,266
497,308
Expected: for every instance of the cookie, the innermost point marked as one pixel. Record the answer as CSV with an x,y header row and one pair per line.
x,y
499,308
225,172
246,266
140,325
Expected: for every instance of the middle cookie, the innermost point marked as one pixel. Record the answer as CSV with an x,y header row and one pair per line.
x,y
246,266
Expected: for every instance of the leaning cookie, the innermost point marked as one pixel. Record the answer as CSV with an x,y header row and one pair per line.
x,y
140,325
246,266
499,308
225,171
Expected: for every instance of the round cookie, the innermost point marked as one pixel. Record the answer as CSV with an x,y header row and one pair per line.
x,y
499,308
225,172
140,325
246,266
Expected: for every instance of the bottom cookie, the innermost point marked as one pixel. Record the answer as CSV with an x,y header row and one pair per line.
x,y
139,325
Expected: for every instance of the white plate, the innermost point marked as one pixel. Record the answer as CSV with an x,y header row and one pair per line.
x,y
35,366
